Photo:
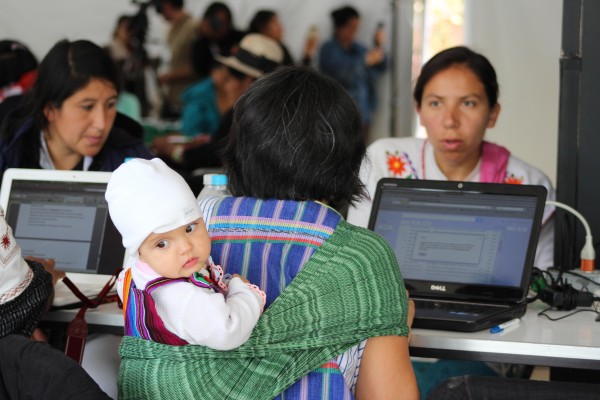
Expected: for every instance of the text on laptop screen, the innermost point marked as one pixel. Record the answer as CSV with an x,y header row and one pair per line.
x,y
68,223
466,237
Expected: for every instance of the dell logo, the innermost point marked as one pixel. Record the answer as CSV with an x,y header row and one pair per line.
x,y
438,288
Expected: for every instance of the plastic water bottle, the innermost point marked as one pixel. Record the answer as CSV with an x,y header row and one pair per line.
x,y
214,185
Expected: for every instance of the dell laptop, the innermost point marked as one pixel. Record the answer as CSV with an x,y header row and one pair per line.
x,y
465,249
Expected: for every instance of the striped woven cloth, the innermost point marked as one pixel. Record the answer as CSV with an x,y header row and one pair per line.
x,y
318,316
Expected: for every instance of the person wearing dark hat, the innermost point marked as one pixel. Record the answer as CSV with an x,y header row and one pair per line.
x,y
257,56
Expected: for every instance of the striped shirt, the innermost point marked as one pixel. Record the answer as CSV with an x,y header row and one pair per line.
x,y
268,242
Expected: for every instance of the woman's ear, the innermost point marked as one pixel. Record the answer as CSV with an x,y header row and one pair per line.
x,y
418,111
494,116
50,113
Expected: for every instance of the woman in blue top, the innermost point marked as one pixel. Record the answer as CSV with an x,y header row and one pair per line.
x,y
351,63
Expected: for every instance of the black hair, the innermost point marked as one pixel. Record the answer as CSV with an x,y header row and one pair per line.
x,y
15,60
214,8
460,55
260,21
178,4
120,20
296,135
67,68
342,15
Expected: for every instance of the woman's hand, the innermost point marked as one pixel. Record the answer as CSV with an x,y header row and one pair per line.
x,y
374,57
48,264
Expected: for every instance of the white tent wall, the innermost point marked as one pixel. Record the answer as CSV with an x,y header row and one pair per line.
x,y
39,24
521,38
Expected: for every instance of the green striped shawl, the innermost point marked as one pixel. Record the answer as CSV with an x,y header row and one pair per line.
x,y
350,290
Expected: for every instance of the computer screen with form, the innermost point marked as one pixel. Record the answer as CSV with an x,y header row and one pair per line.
x,y
470,238
66,220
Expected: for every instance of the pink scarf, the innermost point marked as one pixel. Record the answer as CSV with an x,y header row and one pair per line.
x,y
494,160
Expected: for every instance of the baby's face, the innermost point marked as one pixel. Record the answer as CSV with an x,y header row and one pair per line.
x,y
177,253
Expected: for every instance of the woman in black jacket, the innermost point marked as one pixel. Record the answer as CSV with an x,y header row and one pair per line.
x,y
70,121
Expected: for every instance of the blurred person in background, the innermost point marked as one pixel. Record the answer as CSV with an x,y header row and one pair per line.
x,y
352,64
268,23
17,74
257,56
180,39
217,37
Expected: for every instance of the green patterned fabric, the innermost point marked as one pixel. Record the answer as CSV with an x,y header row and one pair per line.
x,y
350,290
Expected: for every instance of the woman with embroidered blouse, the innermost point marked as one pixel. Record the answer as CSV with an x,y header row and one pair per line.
x,y
456,97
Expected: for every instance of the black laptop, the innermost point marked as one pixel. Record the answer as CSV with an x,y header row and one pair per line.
x,y
465,249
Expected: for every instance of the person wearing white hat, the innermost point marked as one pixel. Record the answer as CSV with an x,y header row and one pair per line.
x,y
256,56
172,292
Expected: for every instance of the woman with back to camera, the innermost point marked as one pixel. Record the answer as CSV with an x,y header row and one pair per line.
x,y
456,97
337,315
70,121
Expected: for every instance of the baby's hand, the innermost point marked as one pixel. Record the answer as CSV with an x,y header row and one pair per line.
x,y
241,277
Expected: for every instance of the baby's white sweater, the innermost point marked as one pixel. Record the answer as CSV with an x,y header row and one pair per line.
x,y
201,316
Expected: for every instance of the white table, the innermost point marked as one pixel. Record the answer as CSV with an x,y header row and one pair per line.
x,y
573,342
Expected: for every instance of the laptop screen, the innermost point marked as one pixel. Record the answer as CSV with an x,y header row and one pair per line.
x,y
64,220
464,237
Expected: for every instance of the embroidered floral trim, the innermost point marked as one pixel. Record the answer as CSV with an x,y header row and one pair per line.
x,y
210,277
396,166
513,180
13,293
399,165
260,294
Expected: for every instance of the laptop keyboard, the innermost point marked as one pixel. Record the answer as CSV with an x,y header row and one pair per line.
x,y
463,311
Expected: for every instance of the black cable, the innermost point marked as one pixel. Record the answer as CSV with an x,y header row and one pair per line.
x,y
567,244
594,310
577,275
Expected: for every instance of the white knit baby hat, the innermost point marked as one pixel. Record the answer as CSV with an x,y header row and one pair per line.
x,y
146,196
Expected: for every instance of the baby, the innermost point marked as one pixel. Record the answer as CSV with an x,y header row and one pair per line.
x,y
173,293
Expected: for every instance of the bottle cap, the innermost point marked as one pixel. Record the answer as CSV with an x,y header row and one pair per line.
x,y
219,179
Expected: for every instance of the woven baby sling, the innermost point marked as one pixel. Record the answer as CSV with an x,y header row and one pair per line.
x,y
350,290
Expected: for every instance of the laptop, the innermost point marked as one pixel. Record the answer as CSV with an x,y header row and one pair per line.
x,y
465,250
63,215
